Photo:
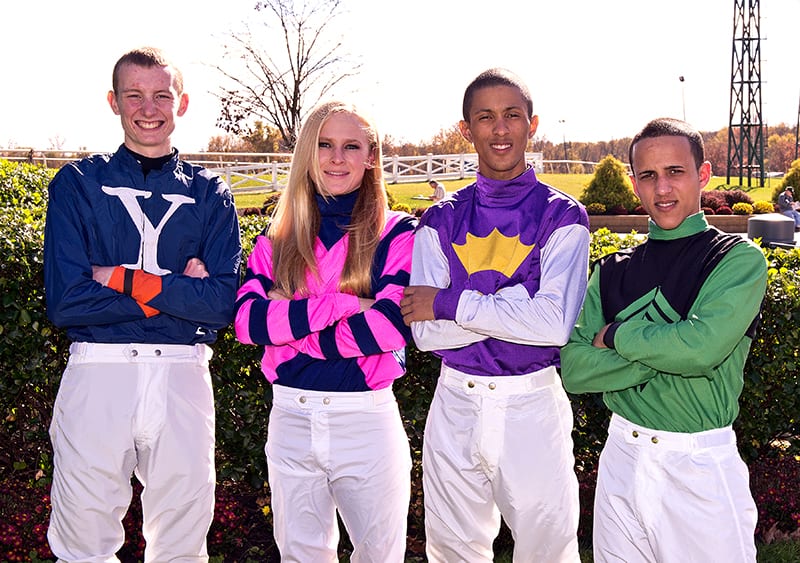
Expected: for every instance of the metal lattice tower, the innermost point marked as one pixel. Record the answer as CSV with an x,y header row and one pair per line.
x,y
745,128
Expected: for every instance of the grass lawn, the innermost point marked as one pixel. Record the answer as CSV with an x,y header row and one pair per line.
x,y
572,184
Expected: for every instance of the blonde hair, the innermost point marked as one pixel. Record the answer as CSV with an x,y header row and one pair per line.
x,y
296,221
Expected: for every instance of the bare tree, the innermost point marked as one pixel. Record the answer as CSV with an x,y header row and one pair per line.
x,y
278,87
56,143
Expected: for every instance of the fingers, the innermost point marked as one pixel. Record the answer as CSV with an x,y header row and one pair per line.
x,y
195,268
102,274
417,304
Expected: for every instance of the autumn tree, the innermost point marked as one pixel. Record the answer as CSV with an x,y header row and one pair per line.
x,y
260,138
448,140
716,149
780,152
451,141
278,85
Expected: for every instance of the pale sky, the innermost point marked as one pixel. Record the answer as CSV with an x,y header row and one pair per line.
x,y
603,68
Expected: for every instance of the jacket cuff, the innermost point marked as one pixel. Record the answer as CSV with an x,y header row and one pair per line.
x,y
445,304
120,278
608,337
136,283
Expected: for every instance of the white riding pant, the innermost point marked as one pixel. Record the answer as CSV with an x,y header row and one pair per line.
x,y
346,451
500,446
121,409
672,497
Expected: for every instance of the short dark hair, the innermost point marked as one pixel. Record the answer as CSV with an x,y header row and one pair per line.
x,y
495,77
146,57
670,127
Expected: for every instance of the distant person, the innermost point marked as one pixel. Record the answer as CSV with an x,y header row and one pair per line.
x,y
141,266
788,206
664,335
438,191
322,296
497,281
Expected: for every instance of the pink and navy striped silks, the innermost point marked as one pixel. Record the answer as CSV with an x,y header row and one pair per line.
x,y
324,341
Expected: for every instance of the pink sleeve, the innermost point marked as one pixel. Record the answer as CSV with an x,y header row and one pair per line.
x,y
261,320
378,329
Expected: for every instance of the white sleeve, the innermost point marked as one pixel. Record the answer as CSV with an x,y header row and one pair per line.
x,y
429,266
547,318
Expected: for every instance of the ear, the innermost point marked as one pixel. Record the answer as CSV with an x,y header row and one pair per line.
x,y
463,127
183,104
705,174
635,187
370,163
112,101
534,126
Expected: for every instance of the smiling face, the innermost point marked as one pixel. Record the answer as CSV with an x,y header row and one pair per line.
x,y
148,103
667,180
344,153
499,128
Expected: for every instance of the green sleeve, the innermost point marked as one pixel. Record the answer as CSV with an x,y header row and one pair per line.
x,y
726,305
588,369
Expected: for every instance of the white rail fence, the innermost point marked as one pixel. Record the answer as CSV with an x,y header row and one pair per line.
x,y
256,172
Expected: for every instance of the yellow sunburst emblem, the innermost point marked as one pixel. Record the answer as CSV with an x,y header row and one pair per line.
x,y
494,252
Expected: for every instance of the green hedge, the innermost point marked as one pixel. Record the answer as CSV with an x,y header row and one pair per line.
x,y
33,353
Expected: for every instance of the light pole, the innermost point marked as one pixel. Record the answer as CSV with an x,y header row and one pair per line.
x,y
683,96
797,133
564,133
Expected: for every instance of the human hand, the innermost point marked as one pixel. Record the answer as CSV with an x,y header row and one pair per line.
x,y
597,342
365,303
417,303
277,295
102,274
195,268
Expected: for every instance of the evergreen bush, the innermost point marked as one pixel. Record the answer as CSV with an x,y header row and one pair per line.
x,y
595,209
33,352
610,186
791,178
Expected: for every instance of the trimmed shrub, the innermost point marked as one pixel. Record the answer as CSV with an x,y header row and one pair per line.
x,y
595,209
268,207
742,208
639,210
707,211
732,197
791,178
33,351
712,199
770,404
610,186
391,199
